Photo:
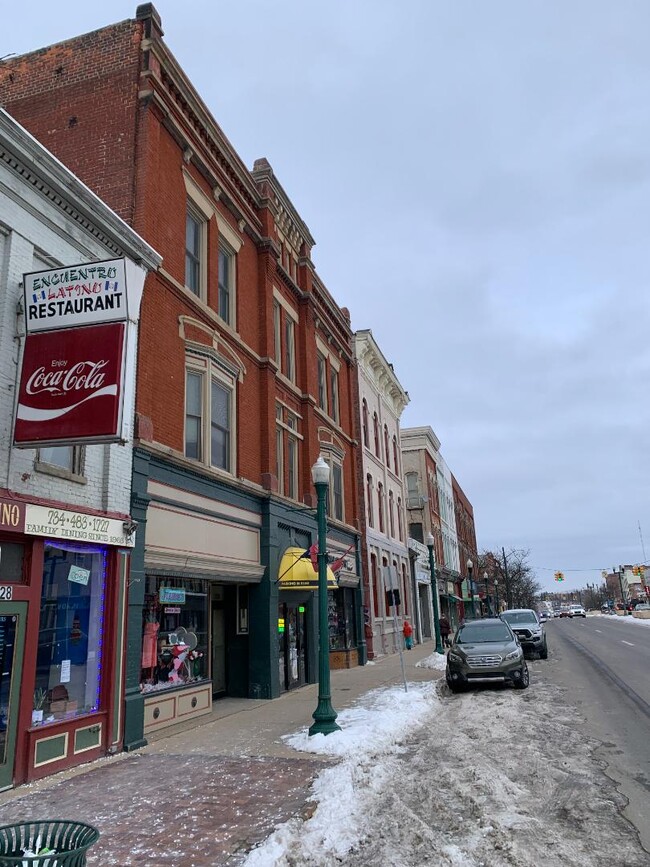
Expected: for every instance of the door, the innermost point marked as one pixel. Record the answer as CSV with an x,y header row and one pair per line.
x,y
12,640
218,651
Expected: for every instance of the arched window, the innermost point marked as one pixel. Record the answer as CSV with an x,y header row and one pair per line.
x,y
391,514
375,425
375,585
397,583
371,517
386,449
395,456
380,506
400,525
366,440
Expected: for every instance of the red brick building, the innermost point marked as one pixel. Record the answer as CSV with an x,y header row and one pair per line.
x,y
467,551
246,373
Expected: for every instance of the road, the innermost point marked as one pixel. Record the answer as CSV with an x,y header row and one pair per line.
x,y
604,667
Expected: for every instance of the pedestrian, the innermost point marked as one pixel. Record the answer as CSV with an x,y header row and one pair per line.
x,y
445,631
407,629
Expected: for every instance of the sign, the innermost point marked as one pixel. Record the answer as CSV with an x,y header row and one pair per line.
x,y
79,575
77,295
71,387
172,609
12,516
172,594
65,671
6,592
280,624
63,524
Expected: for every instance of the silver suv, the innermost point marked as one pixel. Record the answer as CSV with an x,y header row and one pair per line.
x,y
528,629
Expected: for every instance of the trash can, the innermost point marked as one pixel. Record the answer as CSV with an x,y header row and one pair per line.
x,y
53,843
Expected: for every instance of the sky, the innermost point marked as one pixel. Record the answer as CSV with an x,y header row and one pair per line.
x,y
477,179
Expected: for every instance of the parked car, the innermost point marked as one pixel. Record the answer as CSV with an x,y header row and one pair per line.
x,y
577,611
643,606
528,629
564,612
486,651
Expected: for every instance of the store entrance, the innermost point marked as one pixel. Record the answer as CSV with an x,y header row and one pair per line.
x,y
218,650
292,646
13,616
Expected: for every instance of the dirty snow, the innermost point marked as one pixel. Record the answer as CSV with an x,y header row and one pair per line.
x,y
489,778
437,661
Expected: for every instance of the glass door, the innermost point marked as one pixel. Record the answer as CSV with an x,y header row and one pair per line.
x,y
12,639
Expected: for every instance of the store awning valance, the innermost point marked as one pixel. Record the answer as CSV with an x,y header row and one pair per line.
x,y
297,573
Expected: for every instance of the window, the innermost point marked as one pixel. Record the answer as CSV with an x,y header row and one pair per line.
x,y
287,451
69,652
226,283
405,590
209,395
416,532
400,525
380,506
277,326
386,446
334,394
193,251
289,349
395,456
375,425
66,459
371,517
337,491
391,514
375,585
364,422
322,381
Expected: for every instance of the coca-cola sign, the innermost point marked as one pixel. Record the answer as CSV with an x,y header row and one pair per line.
x,y
71,386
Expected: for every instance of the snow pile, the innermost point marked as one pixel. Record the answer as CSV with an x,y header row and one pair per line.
x,y
437,661
375,727
638,621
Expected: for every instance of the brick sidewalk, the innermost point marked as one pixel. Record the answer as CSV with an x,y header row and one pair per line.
x,y
202,795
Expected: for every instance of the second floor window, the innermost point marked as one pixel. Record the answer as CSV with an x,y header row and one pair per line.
x,y
289,349
386,446
395,456
334,394
209,401
364,423
277,331
322,382
380,506
369,494
391,514
375,426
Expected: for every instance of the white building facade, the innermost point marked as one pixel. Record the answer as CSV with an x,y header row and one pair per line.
x,y
65,528
386,558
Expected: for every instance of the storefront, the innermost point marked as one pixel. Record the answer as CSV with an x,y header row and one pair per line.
x,y
62,587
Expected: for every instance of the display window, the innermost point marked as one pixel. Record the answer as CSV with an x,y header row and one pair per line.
x,y
174,633
70,636
341,621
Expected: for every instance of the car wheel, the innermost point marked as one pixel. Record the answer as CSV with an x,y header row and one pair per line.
x,y
454,686
524,680
543,654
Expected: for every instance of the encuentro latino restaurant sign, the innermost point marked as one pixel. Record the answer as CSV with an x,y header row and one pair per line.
x,y
78,359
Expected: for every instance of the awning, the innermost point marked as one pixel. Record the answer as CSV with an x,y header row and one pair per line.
x,y
297,573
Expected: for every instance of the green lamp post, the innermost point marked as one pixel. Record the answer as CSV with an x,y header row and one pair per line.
x,y
470,587
488,611
496,595
434,593
324,715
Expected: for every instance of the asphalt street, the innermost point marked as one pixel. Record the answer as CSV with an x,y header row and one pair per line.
x,y
603,667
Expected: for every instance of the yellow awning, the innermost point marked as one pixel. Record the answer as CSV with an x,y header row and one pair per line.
x,y
297,573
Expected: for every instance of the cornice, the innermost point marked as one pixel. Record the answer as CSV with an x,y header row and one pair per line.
x,y
380,372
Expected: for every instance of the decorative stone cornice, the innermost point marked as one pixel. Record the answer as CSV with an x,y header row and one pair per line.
x,y
380,371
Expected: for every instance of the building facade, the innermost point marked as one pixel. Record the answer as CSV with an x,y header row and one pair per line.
x,y
246,373
385,553
66,529
475,591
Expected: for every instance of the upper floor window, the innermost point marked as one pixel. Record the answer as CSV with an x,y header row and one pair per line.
x,y
322,381
369,494
289,349
375,426
277,331
226,283
287,450
386,449
395,456
194,230
336,499
209,399
412,487
61,460
364,423
400,519
334,394
380,506
391,514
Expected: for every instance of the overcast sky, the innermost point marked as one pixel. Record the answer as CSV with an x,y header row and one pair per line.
x,y
477,179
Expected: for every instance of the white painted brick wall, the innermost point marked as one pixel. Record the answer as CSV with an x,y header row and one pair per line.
x,y
30,224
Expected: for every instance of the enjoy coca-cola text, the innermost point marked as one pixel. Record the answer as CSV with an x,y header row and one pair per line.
x,y
83,375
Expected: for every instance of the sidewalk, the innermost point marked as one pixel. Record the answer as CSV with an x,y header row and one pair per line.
x,y
204,793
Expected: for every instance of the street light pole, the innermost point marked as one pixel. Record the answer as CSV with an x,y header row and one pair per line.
x,y
487,601
620,581
496,594
324,715
470,567
434,593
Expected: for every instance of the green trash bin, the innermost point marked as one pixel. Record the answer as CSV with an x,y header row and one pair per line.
x,y
67,841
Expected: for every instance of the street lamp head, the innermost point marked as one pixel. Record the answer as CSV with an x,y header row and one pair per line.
x,y
485,576
470,565
320,472
430,540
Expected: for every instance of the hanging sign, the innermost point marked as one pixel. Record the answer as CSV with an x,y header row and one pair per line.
x,y
64,524
79,575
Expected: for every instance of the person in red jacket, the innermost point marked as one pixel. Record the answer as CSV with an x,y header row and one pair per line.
x,y
407,629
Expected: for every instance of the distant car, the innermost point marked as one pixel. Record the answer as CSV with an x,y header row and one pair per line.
x,y
643,606
528,629
542,616
556,612
564,612
486,651
577,611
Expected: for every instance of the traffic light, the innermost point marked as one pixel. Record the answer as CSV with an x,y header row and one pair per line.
x,y
559,576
